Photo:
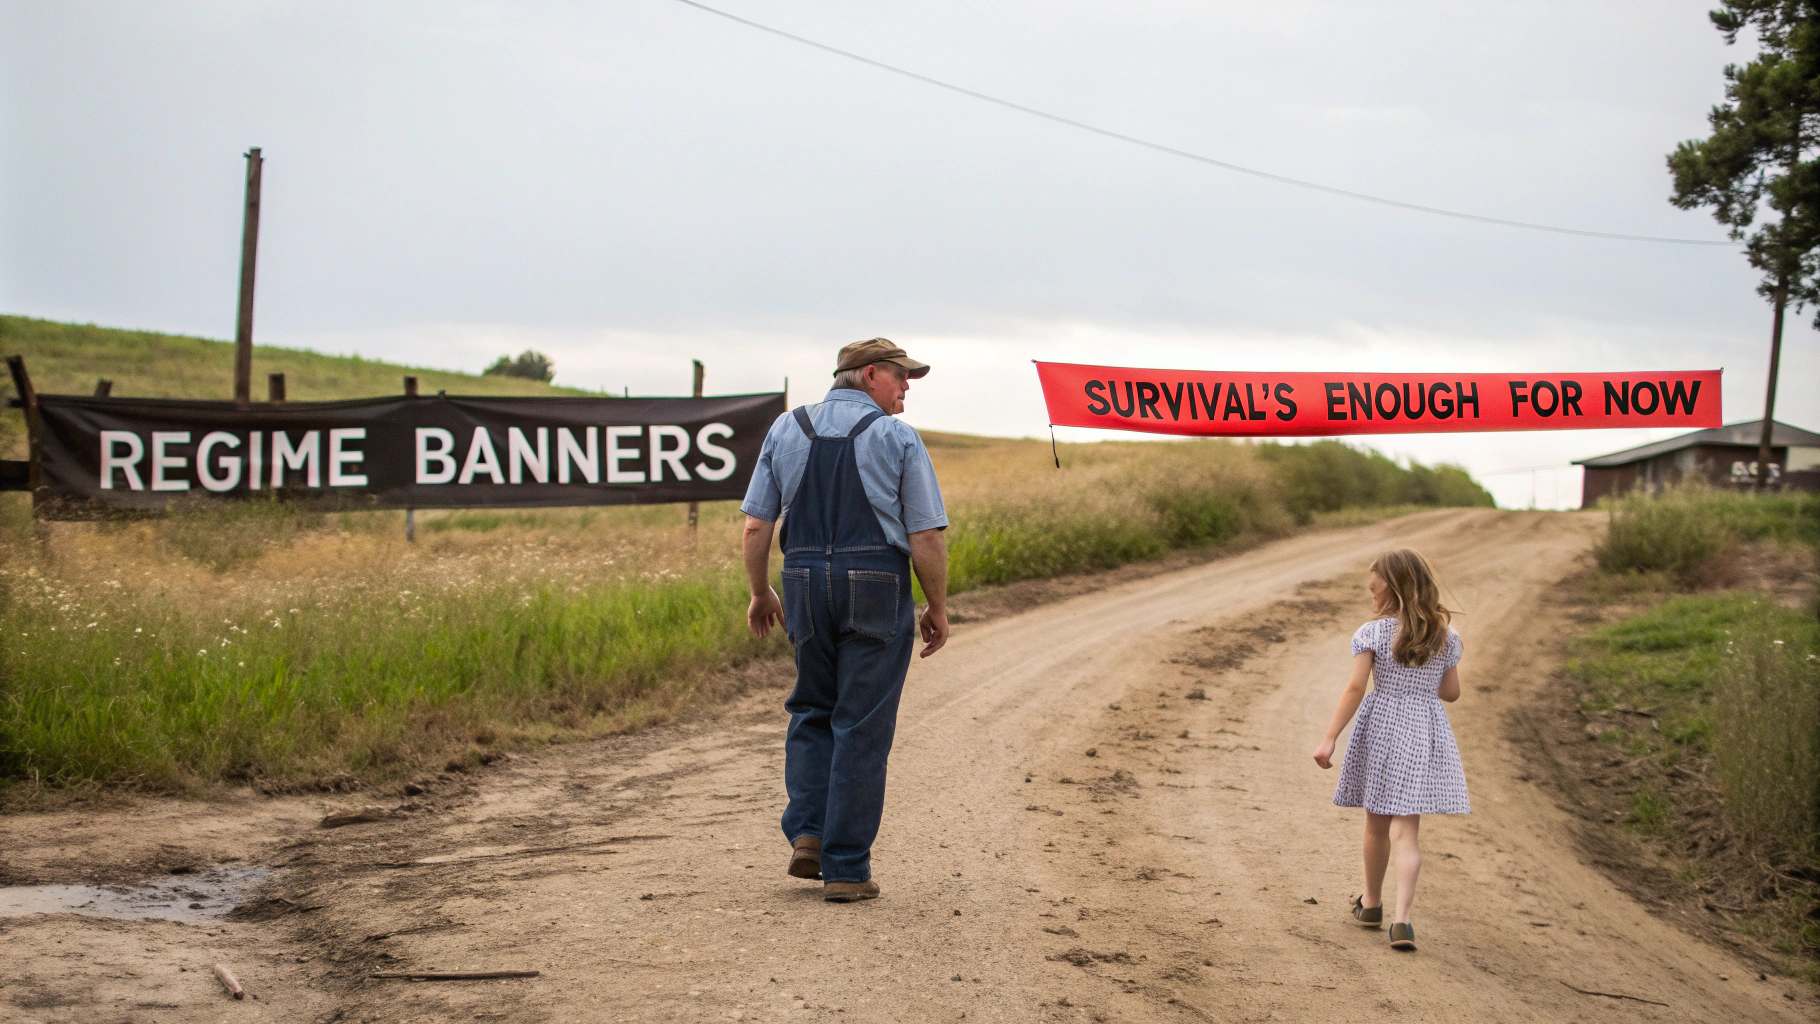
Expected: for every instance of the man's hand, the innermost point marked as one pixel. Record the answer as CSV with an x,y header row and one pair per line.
x,y
934,626
766,611
929,553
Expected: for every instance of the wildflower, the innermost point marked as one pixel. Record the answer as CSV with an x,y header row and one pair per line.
x,y
139,629
92,625
1778,643
242,664
202,654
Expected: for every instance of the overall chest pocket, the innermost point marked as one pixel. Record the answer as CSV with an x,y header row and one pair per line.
x,y
799,624
872,603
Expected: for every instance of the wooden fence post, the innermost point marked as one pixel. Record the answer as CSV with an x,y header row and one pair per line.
x,y
274,388
104,388
695,506
410,514
34,430
249,258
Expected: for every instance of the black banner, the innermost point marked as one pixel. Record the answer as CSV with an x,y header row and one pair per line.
x,y
102,455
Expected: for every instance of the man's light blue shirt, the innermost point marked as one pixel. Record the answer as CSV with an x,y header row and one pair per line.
x,y
894,467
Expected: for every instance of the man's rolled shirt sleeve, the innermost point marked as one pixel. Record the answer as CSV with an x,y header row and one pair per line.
x,y
918,490
764,497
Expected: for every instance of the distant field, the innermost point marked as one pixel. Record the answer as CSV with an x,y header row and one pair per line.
x,y
69,358
257,642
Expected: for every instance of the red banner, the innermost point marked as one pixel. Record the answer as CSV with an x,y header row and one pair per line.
x,y
1215,403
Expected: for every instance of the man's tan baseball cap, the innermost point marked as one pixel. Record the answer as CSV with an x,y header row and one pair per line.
x,y
878,350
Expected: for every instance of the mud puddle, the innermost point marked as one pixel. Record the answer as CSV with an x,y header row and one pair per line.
x,y
193,896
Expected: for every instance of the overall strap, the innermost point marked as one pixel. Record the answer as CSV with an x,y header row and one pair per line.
x,y
865,421
802,420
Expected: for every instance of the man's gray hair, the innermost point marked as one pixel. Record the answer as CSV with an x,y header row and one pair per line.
x,y
855,379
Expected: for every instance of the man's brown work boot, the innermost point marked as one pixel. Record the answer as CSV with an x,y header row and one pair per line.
x,y
806,857
849,892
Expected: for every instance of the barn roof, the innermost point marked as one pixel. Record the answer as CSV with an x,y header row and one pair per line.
x,y
1750,433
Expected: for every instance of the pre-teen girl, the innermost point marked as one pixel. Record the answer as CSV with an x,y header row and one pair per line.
x,y
1401,761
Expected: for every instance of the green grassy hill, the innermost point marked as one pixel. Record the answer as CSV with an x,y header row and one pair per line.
x,y
69,358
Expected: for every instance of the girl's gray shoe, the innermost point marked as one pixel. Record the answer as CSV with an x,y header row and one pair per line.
x,y
1402,936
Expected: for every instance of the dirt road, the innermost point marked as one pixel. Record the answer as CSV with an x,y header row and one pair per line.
x,y
1101,809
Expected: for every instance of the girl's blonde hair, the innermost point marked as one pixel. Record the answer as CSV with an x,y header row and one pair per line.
x,y
1417,605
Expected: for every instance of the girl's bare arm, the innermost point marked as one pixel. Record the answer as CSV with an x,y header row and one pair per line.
x,y
1349,705
1450,685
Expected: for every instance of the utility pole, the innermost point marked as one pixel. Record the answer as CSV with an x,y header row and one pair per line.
x,y
1769,399
701,373
249,258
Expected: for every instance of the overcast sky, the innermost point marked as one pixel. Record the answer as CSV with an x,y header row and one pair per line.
x,y
628,185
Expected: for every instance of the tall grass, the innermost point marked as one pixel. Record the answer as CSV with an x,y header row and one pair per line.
x,y
1681,530
1766,733
322,678
1110,504
1118,502
1732,680
262,642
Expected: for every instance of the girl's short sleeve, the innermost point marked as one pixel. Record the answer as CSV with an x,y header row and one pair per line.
x,y
1365,638
1451,654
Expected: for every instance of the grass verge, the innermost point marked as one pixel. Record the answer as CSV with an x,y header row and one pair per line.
x,y
1706,706
370,679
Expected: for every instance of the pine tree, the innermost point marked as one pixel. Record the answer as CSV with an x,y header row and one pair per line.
x,y
1754,160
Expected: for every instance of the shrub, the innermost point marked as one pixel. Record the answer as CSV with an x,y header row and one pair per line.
x,y
1196,518
1328,476
1442,486
530,364
1683,529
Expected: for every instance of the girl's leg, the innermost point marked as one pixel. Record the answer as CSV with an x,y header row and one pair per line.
x,y
1403,830
1377,856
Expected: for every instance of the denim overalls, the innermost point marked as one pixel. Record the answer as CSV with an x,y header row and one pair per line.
x,y
849,612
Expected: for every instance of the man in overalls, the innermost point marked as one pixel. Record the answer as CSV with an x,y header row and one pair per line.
x,y
859,503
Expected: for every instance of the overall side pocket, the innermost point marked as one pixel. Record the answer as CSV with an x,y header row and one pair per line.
x,y
872,603
799,624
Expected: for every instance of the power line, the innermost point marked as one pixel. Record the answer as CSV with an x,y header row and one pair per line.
x,y
1526,469
1196,157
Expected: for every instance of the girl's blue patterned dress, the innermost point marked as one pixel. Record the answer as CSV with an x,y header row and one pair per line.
x,y
1401,757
